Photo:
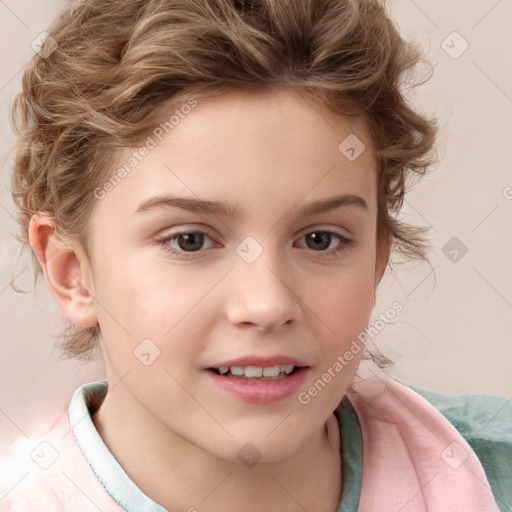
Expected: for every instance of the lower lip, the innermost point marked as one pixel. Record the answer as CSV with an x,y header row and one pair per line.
x,y
260,391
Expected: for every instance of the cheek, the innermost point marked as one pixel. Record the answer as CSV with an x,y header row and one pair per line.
x,y
152,303
343,303
344,308
145,295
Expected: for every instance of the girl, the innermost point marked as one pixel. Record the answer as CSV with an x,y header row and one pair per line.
x,y
210,189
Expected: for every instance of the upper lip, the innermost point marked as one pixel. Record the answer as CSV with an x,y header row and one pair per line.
x,y
261,361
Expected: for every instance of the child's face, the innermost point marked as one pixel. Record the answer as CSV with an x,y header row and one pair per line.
x,y
281,298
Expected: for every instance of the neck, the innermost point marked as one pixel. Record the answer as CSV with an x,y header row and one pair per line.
x,y
182,476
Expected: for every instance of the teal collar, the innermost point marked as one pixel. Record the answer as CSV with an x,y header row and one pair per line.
x,y
351,455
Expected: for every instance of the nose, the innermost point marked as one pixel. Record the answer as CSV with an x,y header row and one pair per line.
x,y
262,293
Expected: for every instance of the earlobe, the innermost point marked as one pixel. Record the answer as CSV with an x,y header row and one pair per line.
x,y
381,261
383,252
64,270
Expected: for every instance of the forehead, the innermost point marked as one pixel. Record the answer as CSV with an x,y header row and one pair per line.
x,y
276,122
257,148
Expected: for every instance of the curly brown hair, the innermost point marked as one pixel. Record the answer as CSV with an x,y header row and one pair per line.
x,y
110,68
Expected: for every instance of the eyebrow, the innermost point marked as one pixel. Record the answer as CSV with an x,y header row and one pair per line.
x,y
232,210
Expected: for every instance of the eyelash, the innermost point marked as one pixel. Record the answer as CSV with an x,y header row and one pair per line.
x,y
344,245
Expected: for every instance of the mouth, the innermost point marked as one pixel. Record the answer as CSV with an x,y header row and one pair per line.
x,y
258,384
259,379
262,373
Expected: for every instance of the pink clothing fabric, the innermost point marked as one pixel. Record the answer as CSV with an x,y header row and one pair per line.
x,y
413,460
51,474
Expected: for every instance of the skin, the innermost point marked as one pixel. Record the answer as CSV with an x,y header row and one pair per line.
x,y
175,434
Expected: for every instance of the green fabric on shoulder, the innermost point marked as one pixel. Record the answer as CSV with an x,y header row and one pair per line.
x,y
485,422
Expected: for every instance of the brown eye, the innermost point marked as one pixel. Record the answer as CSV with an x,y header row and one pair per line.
x,y
186,243
190,241
319,240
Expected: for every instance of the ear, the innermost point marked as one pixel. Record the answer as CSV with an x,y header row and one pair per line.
x,y
381,261
65,269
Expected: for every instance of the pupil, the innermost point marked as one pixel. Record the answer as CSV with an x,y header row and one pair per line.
x,y
323,239
189,239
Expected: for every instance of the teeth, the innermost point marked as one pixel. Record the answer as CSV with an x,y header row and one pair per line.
x,y
288,368
272,371
257,371
253,371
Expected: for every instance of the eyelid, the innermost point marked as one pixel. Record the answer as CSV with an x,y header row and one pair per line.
x,y
337,230
184,229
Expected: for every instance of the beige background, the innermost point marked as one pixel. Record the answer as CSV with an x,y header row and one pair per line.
x,y
454,332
